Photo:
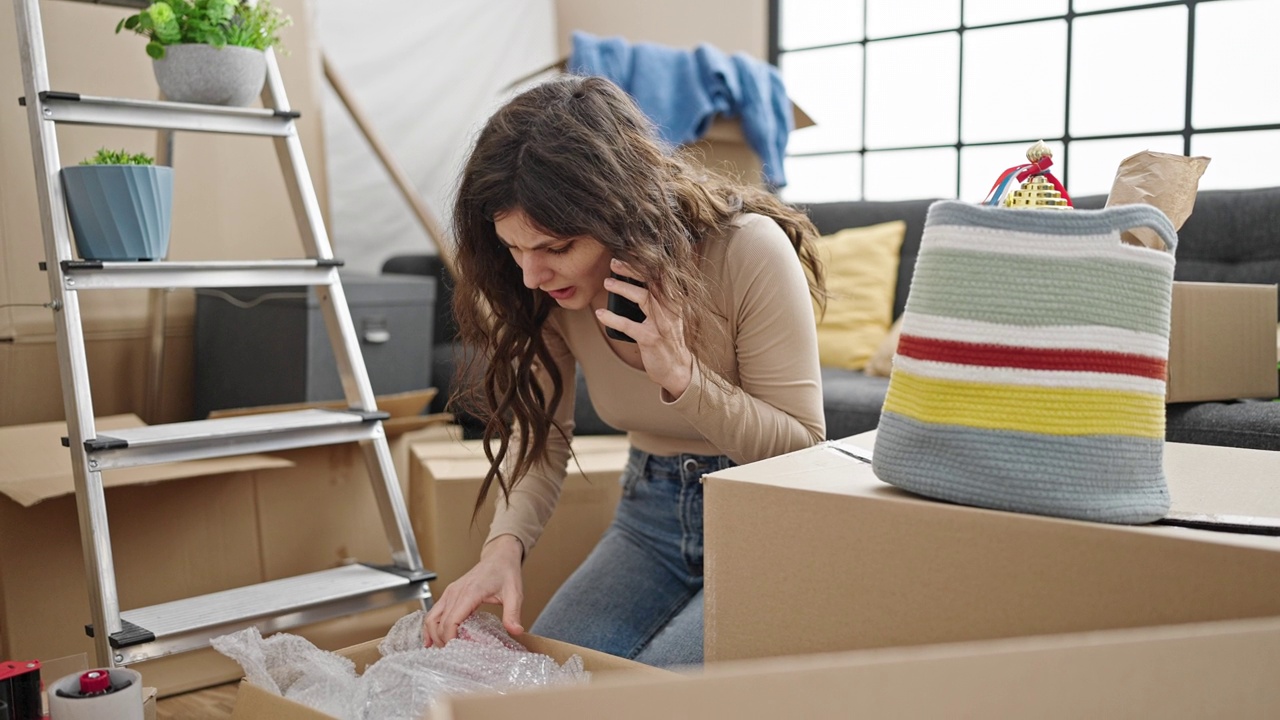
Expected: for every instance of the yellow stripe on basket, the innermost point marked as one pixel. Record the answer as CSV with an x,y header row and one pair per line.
x,y
1048,411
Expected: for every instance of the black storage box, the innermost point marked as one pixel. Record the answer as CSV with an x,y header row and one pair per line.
x,y
269,346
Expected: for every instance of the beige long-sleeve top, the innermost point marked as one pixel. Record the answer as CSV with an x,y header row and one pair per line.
x,y
771,403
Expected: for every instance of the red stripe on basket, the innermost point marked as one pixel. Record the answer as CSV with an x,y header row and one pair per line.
x,y
985,355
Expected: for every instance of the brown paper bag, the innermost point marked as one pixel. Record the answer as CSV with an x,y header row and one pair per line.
x,y
1168,182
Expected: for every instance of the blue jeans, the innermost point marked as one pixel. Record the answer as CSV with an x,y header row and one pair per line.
x,y
638,594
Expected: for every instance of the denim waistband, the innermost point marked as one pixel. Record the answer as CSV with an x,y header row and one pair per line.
x,y
686,466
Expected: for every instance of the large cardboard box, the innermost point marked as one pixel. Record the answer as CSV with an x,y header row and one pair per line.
x,y
255,703
1224,669
444,482
1222,342
179,530
810,552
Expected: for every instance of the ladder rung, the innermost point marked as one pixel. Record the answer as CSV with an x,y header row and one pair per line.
x,y
222,437
95,275
276,605
76,109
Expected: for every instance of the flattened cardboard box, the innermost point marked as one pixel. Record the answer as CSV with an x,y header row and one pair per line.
x,y
230,522
256,703
444,481
1222,669
853,563
1222,342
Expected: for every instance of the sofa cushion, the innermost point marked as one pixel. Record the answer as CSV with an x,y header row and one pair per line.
x,y
861,266
831,217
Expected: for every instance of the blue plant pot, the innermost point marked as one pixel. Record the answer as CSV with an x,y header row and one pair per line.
x,y
120,212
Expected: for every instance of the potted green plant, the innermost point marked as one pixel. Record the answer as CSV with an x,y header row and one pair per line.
x,y
209,51
120,206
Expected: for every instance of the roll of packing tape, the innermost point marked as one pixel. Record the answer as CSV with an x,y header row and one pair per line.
x,y
114,694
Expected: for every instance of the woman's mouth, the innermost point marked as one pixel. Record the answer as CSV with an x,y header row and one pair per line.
x,y
562,293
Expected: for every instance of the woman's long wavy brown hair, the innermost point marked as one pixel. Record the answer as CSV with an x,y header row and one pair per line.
x,y
580,159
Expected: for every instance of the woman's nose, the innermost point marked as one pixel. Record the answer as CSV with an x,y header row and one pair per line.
x,y
535,271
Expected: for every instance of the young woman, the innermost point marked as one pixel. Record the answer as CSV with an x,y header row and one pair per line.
x,y
565,191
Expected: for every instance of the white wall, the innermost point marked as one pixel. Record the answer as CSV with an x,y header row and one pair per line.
x,y
429,73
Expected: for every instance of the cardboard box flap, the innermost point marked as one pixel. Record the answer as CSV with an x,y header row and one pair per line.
x,y
801,118
1223,488
406,410
37,467
1232,488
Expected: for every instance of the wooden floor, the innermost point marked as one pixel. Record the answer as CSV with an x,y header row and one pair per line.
x,y
213,703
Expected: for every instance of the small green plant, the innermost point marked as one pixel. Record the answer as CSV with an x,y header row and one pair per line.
x,y
207,22
118,157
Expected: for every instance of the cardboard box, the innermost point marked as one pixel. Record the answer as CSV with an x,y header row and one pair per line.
x,y
723,148
1222,342
1224,669
443,485
31,387
848,562
255,703
178,530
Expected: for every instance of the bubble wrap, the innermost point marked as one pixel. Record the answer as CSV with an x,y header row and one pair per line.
x,y
407,680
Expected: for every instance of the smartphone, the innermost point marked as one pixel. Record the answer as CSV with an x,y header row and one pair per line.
x,y
624,307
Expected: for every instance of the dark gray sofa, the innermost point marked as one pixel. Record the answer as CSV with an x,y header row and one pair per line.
x,y
1232,236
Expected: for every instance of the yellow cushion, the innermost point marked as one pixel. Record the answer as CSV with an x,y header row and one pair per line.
x,y
861,265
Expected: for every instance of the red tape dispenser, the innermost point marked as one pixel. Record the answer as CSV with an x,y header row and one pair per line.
x,y
20,690
1038,189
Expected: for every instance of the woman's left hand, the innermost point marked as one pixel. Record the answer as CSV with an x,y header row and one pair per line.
x,y
660,338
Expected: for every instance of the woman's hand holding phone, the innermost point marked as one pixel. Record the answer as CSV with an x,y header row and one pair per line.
x,y
657,331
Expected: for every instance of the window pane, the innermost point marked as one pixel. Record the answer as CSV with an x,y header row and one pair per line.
x,y
1239,160
1129,72
981,166
806,23
1092,164
985,12
1091,5
827,84
1234,44
886,18
911,174
997,108
823,178
912,91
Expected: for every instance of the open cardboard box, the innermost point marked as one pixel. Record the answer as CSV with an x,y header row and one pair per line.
x,y
1222,669
445,477
255,703
1222,342
179,530
723,148
810,552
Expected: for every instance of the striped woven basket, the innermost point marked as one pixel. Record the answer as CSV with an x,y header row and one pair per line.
x,y
1030,375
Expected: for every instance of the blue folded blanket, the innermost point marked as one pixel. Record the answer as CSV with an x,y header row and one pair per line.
x,y
683,90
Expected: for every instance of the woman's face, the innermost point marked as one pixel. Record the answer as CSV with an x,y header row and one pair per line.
x,y
572,271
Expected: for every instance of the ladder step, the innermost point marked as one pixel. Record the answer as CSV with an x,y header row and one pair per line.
x,y
77,109
272,606
98,275
223,437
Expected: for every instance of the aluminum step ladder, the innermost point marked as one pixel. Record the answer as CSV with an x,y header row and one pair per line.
x,y
146,633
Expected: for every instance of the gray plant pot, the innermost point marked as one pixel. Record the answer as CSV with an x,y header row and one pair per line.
x,y
119,212
210,75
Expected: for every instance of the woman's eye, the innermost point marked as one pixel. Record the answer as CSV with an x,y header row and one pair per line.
x,y
558,251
